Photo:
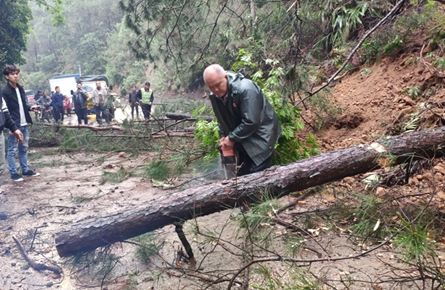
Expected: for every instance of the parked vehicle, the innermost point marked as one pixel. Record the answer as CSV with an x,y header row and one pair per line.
x,y
66,83
30,95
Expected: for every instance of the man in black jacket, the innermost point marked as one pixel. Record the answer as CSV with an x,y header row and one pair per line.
x,y
17,103
6,121
80,104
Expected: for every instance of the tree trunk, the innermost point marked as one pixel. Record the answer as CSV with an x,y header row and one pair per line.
x,y
90,233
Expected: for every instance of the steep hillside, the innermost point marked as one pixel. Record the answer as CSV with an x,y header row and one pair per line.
x,y
388,98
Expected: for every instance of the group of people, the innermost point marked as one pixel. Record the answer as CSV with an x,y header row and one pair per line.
x,y
55,106
143,98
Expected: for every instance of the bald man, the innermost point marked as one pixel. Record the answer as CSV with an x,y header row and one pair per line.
x,y
245,117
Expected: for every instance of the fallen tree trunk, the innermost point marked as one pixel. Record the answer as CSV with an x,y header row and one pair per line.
x,y
93,128
94,232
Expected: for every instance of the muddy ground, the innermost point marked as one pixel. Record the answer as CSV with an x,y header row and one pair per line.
x,y
70,188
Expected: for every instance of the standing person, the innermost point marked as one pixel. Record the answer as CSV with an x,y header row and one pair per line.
x,y
16,101
57,103
6,121
80,104
247,122
147,97
99,95
134,101
45,106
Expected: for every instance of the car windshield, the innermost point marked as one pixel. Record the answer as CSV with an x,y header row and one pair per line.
x,y
87,89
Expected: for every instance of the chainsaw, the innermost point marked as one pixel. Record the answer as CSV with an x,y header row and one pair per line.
x,y
228,161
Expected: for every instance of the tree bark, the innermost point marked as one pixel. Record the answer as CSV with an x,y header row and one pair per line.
x,y
90,233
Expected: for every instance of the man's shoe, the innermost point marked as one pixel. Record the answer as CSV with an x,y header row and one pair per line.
x,y
16,177
30,173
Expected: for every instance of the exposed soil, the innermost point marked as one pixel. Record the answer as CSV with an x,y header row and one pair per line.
x,y
70,189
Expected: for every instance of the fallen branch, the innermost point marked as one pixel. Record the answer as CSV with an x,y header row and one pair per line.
x,y
292,260
157,136
36,266
93,128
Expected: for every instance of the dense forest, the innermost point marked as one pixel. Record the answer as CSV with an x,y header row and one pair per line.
x,y
171,42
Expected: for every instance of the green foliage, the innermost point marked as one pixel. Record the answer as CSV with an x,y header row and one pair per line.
x,y
347,19
414,92
388,41
114,177
93,264
14,31
393,46
256,221
368,218
147,247
366,71
439,63
298,280
324,109
82,40
207,133
414,241
157,169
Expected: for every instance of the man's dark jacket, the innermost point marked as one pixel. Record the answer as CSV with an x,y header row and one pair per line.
x,y
57,100
79,100
247,118
5,117
10,97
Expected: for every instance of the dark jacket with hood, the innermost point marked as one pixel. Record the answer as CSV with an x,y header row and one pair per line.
x,y
5,117
247,118
10,97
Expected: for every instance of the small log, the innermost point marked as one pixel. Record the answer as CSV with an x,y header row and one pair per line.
x,y
175,116
93,232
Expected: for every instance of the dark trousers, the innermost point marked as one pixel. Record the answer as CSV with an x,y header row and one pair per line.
x,y
101,113
247,164
134,106
58,114
81,115
44,113
146,109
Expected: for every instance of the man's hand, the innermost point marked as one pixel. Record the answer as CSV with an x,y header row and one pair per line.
x,y
225,142
18,134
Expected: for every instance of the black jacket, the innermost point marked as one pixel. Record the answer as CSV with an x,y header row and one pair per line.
x,y
10,97
247,118
80,100
5,117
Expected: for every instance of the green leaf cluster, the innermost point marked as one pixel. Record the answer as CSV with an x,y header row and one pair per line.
x,y
14,30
